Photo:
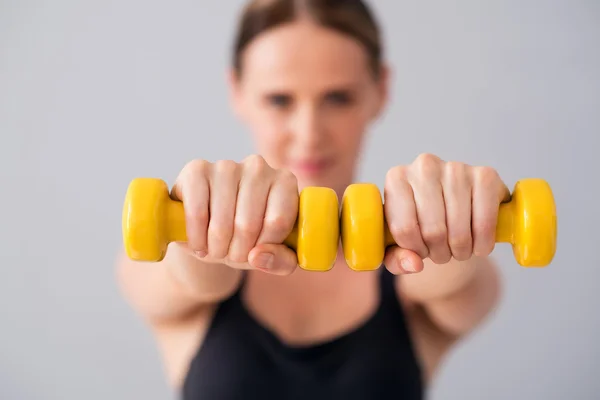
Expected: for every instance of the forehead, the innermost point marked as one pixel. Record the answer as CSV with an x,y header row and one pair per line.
x,y
305,54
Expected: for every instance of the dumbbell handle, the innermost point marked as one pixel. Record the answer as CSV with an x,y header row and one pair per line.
x,y
175,228
504,227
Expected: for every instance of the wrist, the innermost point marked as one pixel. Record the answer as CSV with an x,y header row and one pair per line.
x,y
200,281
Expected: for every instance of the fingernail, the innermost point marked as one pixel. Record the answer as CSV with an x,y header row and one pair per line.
x,y
407,265
201,253
264,261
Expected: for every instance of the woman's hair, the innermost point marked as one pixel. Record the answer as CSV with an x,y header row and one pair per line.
x,y
351,17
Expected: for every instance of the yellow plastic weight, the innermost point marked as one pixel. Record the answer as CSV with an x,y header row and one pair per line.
x,y
152,219
528,222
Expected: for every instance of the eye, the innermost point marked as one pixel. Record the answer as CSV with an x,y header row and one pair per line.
x,y
339,97
279,100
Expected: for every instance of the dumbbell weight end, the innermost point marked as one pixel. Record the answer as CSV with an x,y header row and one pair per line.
x,y
529,223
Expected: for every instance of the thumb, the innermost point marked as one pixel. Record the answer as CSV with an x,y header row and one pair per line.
x,y
402,261
275,259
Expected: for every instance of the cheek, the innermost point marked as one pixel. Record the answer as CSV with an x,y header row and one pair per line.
x,y
349,129
268,139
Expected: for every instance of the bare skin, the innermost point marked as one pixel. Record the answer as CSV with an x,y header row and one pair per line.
x,y
308,97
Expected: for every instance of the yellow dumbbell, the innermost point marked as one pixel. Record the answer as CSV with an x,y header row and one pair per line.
x,y
528,222
152,220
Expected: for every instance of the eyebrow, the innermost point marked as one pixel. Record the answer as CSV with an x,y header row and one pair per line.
x,y
347,86
352,86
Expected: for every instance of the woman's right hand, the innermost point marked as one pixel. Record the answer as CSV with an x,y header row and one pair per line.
x,y
239,214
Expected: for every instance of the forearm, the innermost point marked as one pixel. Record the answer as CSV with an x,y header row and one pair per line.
x,y
441,280
175,287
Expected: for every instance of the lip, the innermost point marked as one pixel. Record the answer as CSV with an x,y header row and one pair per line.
x,y
310,167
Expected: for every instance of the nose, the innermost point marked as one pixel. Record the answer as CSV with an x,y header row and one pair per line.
x,y
307,126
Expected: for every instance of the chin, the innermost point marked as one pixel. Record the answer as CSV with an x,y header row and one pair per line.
x,y
314,179
336,184
331,175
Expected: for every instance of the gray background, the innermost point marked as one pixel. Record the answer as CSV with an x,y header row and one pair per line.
x,y
95,93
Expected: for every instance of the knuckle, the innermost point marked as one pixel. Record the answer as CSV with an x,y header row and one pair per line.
x,y
256,164
195,168
455,171
199,215
485,228
197,165
220,234
396,174
225,166
186,184
460,243
403,231
485,175
427,164
435,233
247,228
485,233
287,177
279,223
427,158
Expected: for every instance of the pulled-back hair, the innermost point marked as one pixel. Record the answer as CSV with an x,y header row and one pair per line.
x,y
351,17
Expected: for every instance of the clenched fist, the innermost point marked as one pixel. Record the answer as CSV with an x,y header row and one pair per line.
x,y
239,214
440,210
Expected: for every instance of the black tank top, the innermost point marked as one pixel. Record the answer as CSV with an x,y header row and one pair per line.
x,y
241,359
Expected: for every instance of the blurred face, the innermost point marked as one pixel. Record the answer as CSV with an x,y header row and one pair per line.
x,y
308,95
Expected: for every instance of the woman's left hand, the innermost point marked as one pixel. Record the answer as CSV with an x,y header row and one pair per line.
x,y
440,210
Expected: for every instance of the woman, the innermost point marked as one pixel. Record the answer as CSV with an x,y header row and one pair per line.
x,y
233,315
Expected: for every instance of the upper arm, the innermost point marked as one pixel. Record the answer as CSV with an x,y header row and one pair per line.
x,y
459,313
179,341
438,322
177,298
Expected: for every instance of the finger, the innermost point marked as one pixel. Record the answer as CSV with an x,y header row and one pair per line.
x,y
488,192
277,259
250,211
401,214
192,188
431,213
282,209
402,261
456,186
224,187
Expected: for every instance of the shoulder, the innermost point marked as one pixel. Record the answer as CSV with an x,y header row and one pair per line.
x,y
179,341
429,343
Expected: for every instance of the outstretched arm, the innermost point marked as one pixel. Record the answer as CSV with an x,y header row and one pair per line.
x,y
456,296
173,289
